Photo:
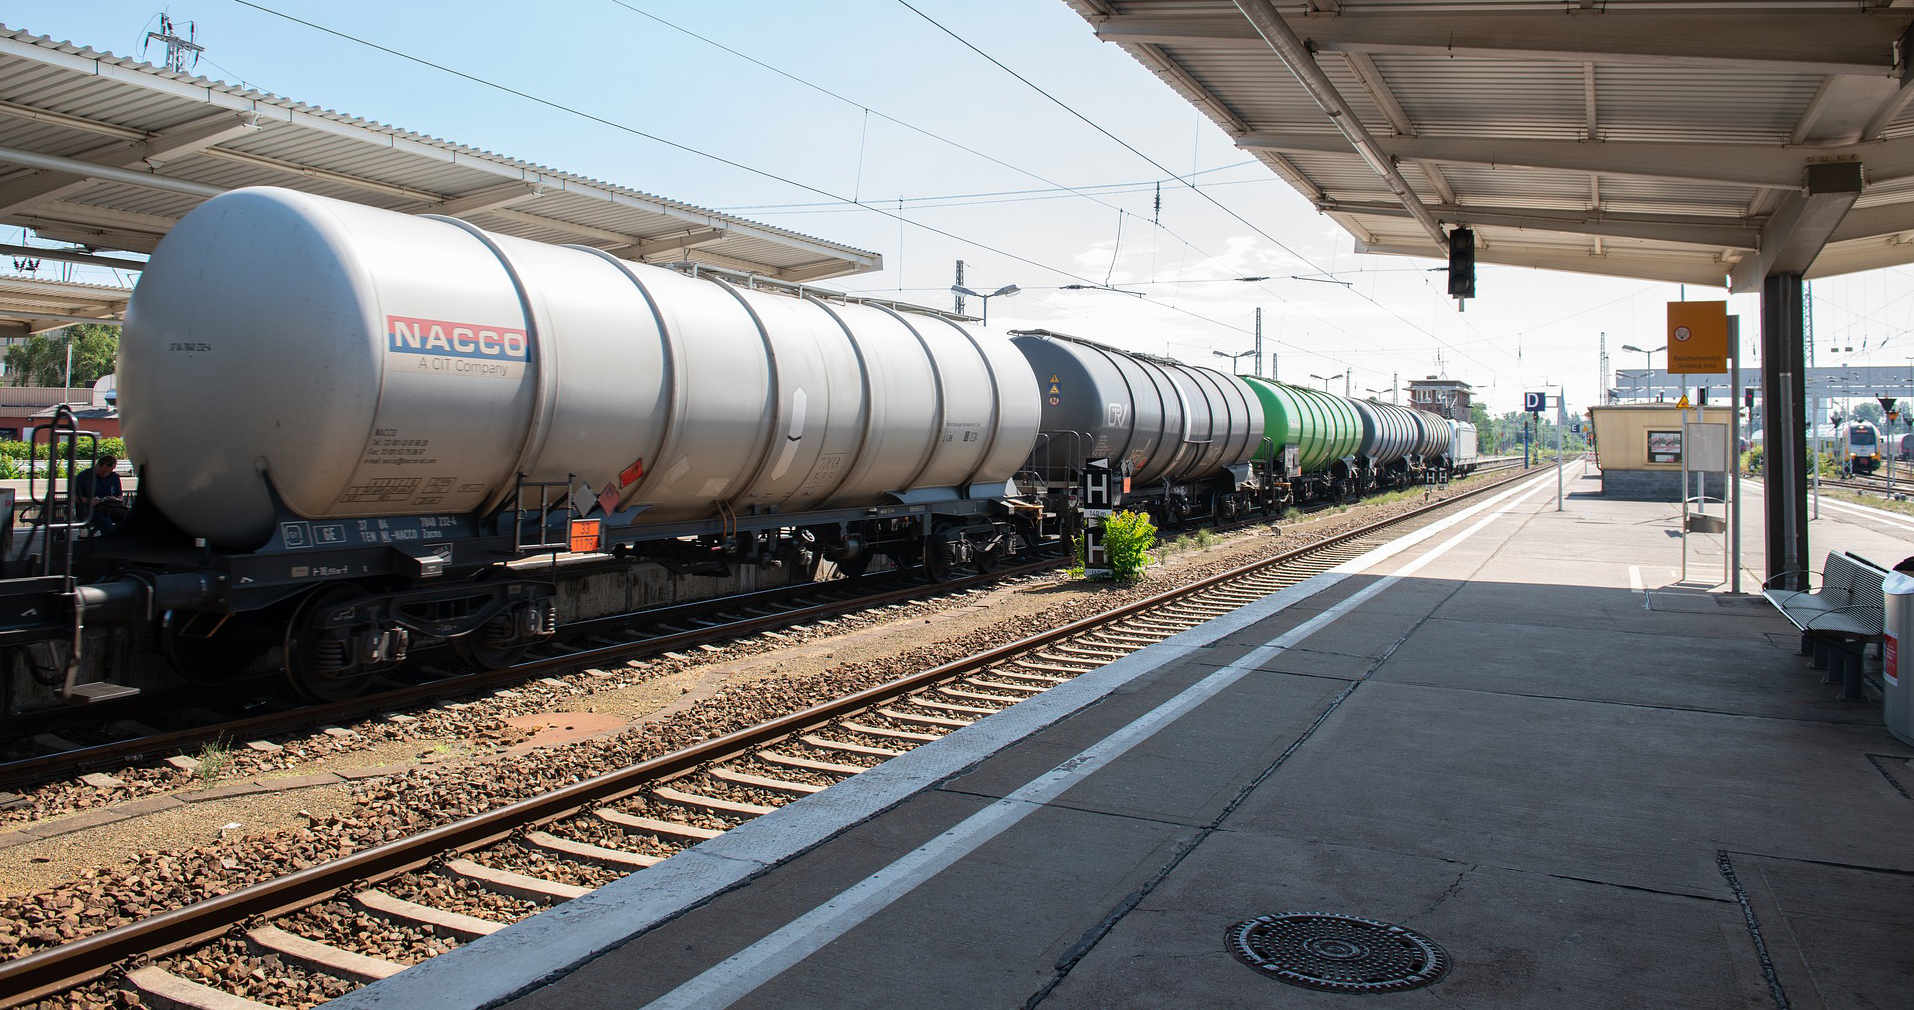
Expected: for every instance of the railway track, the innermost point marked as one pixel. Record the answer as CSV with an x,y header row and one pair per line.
x,y
587,643
417,895
114,735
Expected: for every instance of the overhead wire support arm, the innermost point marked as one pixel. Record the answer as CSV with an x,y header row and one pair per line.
x,y
1295,55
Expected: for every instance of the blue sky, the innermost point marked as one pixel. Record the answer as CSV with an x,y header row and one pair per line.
x,y
981,157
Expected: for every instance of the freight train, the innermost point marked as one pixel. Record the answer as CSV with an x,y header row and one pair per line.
x,y
350,425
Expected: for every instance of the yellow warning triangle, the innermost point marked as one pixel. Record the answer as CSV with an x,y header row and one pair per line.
x,y
1683,402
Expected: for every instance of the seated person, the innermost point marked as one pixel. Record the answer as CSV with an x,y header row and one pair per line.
x,y
97,491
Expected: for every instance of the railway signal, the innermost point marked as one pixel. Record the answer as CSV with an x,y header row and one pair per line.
x,y
1461,263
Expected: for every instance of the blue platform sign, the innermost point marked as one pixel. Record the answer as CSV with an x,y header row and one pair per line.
x,y
1535,402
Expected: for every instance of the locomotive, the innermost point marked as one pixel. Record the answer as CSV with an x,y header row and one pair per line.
x,y
352,426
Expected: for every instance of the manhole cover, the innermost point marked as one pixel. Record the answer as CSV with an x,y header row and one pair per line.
x,y
1337,953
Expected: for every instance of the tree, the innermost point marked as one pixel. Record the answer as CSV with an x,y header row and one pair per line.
x,y
1485,439
42,360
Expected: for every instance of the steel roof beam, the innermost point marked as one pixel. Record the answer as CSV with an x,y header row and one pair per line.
x,y
1275,31
1696,230
91,170
1673,269
1804,223
491,198
1817,43
50,182
1778,167
677,243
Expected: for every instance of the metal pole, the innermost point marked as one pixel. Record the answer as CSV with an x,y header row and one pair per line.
x,y
1259,342
1561,421
1734,433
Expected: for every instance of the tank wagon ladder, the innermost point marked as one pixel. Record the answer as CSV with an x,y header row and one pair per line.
x,y
46,606
533,531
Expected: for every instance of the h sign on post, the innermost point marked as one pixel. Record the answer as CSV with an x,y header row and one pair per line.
x,y
1099,499
1534,403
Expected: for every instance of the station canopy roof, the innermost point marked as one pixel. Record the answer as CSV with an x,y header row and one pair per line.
x,y
1697,142
107,153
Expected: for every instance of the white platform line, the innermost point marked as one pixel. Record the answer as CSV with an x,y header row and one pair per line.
x,y
1878,515
742,973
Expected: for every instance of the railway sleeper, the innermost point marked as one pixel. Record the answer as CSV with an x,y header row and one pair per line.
x,y
514,884
995,699
891,734
634,824
912,719
586,852
998,685
444,923
789,761
711,803
158,987
848,747
944,706
323,957
761,782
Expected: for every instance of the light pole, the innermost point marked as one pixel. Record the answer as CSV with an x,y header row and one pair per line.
x,y
1374,394
1234,358
1326,380
1002,292
1648,362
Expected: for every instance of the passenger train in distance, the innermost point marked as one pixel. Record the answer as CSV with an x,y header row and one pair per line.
x,y
1861,447
349,422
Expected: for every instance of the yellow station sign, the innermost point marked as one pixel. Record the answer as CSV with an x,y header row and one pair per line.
x,y
1697,337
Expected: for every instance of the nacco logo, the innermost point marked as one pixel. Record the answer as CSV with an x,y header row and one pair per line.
x,y
459,340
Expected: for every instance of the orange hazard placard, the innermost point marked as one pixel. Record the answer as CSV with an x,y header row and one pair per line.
x,y
1697,337
587,534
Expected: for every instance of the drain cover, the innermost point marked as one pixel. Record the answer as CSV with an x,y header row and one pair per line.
x,y
1337,953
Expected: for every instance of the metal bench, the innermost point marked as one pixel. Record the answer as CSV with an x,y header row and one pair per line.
x,y
1839,620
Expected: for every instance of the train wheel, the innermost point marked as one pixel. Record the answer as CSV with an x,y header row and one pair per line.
x,y
206,661
853,568
313,665
484,654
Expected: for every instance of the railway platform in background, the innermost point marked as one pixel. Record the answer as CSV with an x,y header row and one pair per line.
x,y
1515,733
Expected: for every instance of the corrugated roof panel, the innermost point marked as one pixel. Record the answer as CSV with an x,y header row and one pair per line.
x,y
1462,97
1484,186
1664,103
1664,196
1263,93
319,151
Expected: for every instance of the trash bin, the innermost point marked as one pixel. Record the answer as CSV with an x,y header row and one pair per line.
x,y
1897,667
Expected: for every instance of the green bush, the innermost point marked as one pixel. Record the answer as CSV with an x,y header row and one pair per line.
x,y
114,447
1127,539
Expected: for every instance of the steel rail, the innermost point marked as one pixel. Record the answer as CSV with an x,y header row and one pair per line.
x,y
63,967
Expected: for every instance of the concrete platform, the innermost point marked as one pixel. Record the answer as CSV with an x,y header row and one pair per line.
x,y
1517,734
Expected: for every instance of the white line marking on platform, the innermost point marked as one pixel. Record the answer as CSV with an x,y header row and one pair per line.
x,y
1879,515
742,973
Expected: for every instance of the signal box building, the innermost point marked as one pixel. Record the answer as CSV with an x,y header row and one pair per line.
x,y
1639,449
1450,398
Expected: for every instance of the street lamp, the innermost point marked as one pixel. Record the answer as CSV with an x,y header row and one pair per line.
x,y
1326,380
1002,292
1648,360
1234,358
1374,394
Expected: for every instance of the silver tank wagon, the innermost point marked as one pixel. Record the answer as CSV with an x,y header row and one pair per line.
x,y
370,364
1168,421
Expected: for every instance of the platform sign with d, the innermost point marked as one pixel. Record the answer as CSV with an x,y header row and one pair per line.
x,y
1535,403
